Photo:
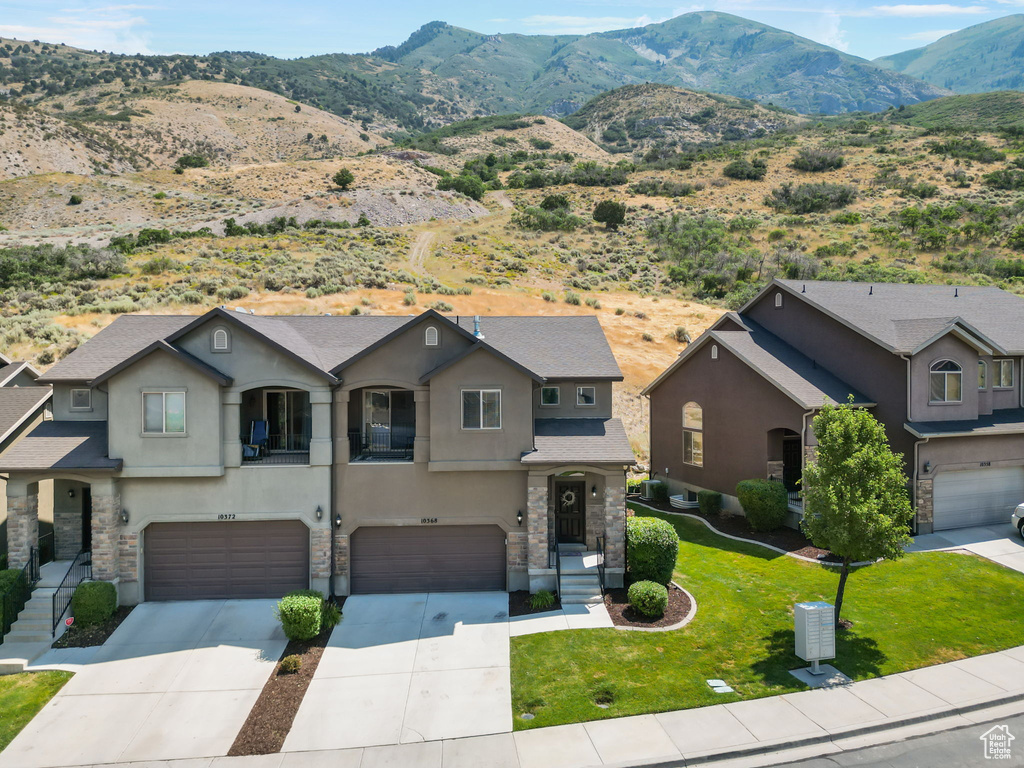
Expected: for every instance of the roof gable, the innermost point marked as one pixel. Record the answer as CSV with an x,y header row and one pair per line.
x,y
480,346
165,348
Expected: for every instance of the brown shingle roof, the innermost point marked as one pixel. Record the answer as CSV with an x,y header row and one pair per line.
x,y
17,404
579,441
61,445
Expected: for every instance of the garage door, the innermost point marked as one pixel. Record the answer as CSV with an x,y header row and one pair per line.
x,y
977,496
451,558
197,561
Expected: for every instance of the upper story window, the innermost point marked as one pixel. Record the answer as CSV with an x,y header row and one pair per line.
x,y
778,300
81,399
945,382
693,435
481,409
221,340
163,413
430,337
982,374
586,396
549,395
1002,374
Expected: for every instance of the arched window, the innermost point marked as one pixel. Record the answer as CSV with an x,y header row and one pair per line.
x,y
982,374
778,300
430,336
221,340
714,351
693,435
946,382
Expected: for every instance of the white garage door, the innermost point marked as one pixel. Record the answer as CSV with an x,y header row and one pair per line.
x,y
977,496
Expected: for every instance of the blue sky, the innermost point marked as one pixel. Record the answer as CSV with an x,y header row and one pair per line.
x,y
867,28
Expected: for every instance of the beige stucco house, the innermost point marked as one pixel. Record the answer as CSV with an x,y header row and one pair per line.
x,y
235,455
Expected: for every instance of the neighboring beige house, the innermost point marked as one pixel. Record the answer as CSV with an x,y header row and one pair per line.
x,y
213,456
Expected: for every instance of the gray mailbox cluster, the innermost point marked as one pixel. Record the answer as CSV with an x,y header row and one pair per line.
x,y
815,627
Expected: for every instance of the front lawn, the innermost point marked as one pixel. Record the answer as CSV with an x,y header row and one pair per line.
x,y
924,609
22,696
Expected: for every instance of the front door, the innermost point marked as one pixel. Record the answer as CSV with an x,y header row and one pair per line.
x,y
570,513
87,519
791,461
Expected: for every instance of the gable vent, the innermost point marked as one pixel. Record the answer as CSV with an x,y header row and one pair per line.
x,y
220,340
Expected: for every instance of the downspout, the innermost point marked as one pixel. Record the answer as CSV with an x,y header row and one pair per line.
x,y
330,488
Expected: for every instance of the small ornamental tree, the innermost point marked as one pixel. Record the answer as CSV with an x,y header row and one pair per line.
x,y
610,213
855,499
343,178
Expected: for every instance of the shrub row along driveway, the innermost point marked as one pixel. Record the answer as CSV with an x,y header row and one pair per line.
x,y
176,680
925,609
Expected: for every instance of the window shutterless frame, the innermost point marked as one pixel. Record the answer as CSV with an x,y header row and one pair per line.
x,y
586,396
550,396
81,399
481,409
163,413
693,435
1002,373
945,383
982,374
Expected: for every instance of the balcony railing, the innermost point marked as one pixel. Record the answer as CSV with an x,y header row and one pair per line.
x,y
795,500
395,444
277,449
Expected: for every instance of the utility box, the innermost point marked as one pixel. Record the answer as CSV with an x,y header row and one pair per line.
x,y
815,626
647,489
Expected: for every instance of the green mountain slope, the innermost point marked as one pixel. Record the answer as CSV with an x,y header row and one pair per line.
x,y
969,112
985,57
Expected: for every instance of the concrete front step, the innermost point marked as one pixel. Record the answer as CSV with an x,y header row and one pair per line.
x,y
582,600
15,656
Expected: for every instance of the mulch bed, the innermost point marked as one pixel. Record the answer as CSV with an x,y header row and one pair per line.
x,y
80,636
623,615
786,539
272,715
519,604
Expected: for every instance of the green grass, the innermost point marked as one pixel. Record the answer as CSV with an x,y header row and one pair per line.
x,y
924,609
22,696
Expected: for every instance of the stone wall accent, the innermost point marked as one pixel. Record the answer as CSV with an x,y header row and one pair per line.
x,y
22,528
517,550
537,525
925,508
320,553
614,526
67,531
340,554
775,469
810,454
595,521
106,536
128,556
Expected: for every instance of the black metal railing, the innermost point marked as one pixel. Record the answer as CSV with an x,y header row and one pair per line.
x,y
558,568
47,548
794,498
15,594
80,570
600,561
276,449
396,444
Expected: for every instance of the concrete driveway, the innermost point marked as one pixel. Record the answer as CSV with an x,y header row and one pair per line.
x,y
1000,543
176,680
409,668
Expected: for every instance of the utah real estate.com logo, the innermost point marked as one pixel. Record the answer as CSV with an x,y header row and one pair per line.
x,y
997,742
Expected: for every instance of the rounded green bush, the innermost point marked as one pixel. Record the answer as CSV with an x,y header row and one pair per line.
x,y
649,598
764,502
651,549
291,664
94,602
710,502
301,614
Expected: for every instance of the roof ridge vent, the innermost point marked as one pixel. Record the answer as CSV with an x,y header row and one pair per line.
x,y
871,290
476,327
956,293
804,289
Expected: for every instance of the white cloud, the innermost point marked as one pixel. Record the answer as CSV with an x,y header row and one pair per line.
x,y
109,28
928,35
937,9
582,25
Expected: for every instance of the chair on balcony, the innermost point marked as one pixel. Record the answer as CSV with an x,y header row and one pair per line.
x,y
258,439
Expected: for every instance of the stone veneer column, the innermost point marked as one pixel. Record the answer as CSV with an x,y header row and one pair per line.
x,y
106,531
320,553
775,470
925,508
128,557
22,521
232,428
320,438
614,525
517,550
341,558
537,521
67,520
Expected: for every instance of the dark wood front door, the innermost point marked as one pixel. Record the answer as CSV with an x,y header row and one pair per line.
x,y
570,513
791,464
87,519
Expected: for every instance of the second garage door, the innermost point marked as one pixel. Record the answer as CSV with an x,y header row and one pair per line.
x,y
453,558
219,560
977,496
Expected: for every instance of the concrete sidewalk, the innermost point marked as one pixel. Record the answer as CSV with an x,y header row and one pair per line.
x,y
1001,543
745,733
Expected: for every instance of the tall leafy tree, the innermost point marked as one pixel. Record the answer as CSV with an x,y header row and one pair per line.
x,y
855,498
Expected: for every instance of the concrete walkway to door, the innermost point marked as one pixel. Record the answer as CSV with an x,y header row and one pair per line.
x,y
1001,543
401,669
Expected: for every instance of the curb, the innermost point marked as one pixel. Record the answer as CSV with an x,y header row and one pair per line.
x,y
678,625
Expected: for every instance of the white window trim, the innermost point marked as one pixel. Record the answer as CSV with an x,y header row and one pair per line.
x,y
462,409
693,431
427,337
184,412
71,400
558,397
944,374
997,364
579,391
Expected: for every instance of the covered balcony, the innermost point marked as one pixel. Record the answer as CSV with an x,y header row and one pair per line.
x,y
382,425
276,426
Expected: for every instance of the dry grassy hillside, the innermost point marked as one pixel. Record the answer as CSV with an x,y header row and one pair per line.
x,y
543,130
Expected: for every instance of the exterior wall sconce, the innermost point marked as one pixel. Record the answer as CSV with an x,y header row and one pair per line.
x,y
319,512
71,493
124,515
519,517
593,491
927,467
337,520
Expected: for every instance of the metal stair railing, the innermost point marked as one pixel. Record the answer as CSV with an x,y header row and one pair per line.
x,y
80,570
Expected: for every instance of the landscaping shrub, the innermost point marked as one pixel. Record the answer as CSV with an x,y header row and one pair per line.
x,y
648,598
301,614
659,492
765,503
94,602
291,664
651,549
14,593
329,613
710,502
542,600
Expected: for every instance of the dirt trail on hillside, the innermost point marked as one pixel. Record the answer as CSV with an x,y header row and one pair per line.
x,y
419,249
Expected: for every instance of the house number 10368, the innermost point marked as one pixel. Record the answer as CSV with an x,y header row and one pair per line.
x,y
427,520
